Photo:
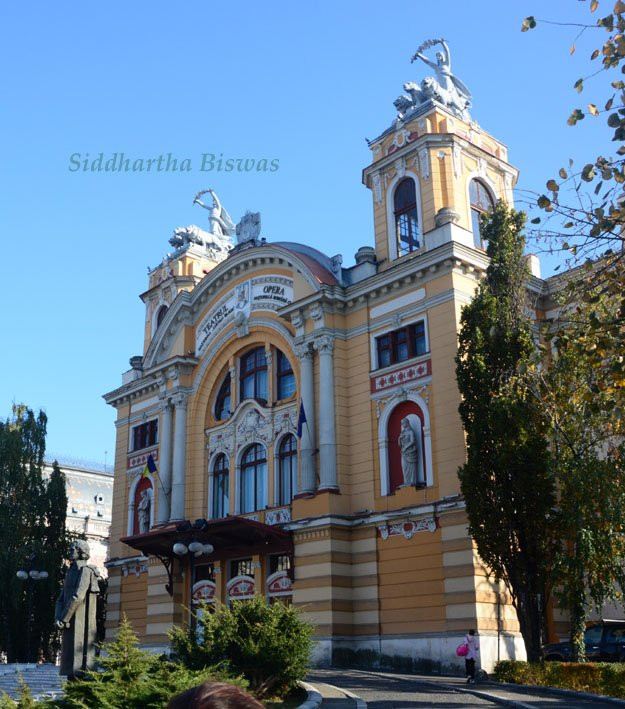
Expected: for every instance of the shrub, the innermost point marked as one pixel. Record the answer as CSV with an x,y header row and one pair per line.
x,y
597,677
130,678
268,644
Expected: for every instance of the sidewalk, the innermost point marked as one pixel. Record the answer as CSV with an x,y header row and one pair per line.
x,y
347,689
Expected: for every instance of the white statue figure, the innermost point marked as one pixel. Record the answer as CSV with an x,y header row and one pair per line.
x,y
145,508
409,448
219,220
446,88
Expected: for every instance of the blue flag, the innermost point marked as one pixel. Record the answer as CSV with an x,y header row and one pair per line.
x,y
301,419
150,467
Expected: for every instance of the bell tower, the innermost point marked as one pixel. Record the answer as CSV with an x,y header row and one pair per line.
x,y
434,169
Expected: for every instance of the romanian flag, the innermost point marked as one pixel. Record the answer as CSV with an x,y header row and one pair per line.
x,y
150,467
301,419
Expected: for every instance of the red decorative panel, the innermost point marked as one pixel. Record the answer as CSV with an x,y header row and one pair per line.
x,y
401,375
241,587
279,584
139,460
203,591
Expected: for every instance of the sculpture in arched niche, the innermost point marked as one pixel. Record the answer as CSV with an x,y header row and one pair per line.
x,y
143,504
405,430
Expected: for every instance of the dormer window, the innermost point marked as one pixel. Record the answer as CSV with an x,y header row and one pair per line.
x,y
406,219
253,376
481,201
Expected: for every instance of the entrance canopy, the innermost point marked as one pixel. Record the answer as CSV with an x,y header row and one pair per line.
x,y
231,538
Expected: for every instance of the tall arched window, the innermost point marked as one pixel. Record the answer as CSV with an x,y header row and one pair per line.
x,y
287,470
285,377
481,201
253,375
220,487
253,477
222,402
406,219
162,311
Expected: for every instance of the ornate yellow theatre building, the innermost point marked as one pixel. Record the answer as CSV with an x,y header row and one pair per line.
x,y
350,510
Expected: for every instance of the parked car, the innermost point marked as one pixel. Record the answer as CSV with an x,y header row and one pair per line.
x,y
604,640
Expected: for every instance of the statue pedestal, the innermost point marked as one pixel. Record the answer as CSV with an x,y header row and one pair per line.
x,y
406,495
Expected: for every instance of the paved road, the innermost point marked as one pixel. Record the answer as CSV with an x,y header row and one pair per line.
x,y
378,690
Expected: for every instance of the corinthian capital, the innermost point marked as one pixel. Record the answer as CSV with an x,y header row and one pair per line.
x,y
324,344
181,399
303,351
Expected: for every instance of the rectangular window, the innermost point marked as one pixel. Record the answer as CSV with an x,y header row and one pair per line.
x,y
279,562
402,344
384,350
241,567
286,378
204,572
220,494
145,435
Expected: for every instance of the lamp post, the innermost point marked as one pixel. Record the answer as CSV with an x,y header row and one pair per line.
x,y
193,549
30,577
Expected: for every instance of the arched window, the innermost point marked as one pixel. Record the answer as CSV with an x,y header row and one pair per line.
x,y
220,487
222,402
286,378
406,219
287,470
481,201
162,311
253,477
253,376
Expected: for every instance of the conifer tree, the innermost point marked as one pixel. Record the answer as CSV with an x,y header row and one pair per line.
x,y
32,525
506,481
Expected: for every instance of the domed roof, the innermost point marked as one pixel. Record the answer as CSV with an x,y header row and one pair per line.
x,y
319,264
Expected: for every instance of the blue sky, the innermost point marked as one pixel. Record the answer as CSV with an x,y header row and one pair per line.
x,y
302,83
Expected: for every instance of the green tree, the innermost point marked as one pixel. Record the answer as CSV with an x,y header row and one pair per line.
x,y
582,391
32,524
586,430
130,678
269,645
506,481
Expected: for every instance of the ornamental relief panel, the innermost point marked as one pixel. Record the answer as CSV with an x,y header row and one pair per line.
x,y
400,395
252,423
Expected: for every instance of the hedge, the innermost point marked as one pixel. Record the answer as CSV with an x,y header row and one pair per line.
x,y
596,677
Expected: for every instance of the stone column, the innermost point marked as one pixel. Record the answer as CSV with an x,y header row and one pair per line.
x,y
308,477
327,425
180,458
163,476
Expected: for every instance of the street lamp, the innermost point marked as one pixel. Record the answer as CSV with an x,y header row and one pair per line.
x,y
29,576
193,549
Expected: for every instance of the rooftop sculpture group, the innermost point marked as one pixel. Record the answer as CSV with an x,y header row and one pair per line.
x,y
445,88
218,240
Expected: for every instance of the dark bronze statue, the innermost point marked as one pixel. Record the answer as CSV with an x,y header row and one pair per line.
x,y
75,612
